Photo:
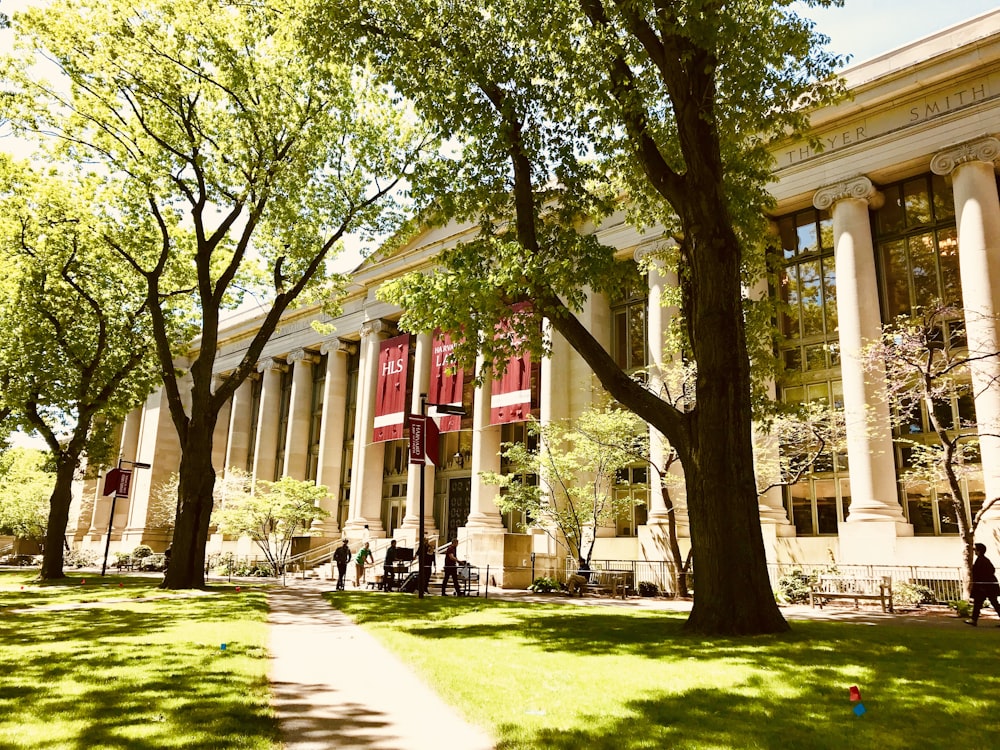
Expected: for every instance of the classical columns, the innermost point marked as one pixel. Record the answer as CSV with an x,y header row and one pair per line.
x,y
977,209
240,416
418,472
265,452
369,457
220,436
299,414
874,496
483,511
330,471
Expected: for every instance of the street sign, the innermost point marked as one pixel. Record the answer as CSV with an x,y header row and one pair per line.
x,y
117,481
423,440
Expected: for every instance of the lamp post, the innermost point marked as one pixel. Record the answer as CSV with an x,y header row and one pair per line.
x,y
119,480
423,446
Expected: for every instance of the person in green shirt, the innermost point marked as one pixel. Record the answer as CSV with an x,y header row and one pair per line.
x,y
363,557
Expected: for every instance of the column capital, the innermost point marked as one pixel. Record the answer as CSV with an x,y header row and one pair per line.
x,y
371,327
271,363
858,188
301,355
985,149
337,346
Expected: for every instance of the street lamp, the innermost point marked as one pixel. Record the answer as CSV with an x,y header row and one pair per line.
x,y
118,480
423,446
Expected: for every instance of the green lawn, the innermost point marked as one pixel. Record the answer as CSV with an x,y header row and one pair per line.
x,y
566,678
119,672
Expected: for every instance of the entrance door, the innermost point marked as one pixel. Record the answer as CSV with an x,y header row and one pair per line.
x,y
459,504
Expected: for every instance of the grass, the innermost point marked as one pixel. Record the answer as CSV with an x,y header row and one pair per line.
x,y
97,665
561,677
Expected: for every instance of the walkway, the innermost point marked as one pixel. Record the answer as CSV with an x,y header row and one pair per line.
x,y
334,686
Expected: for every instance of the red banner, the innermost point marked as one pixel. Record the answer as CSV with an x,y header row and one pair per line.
x,y
390,392
511,397
447,381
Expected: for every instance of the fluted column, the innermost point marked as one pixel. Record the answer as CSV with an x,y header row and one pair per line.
x,y
220,437
331,440
977,209
483,511
299,414
419,472
869,433
240,415
265,452
369,457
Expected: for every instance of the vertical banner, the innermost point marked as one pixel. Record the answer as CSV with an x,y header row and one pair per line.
x,y
447,381
390,392
511,397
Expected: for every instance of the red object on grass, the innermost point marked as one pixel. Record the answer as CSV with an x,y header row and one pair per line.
x,y
855,693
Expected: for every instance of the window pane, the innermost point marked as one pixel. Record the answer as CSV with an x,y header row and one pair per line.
x,y
890,216
826,230
944,198
826,506
790,295
830,295
816,357
896,287
920,513
801,510
923,268
793,360
946,513
818,393
951,282
806,231
918,205
637,335
620,332
812,302
786,231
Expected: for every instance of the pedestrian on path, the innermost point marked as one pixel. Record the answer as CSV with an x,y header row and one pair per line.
x,y
984,584
363,557
341,556
426,553
451,563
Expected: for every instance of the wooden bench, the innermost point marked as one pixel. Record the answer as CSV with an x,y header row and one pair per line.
x,y
830,587
611,582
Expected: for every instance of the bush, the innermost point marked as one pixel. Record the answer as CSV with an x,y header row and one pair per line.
x,y
793,587
142,551
544,585
962,608
648,588
906,594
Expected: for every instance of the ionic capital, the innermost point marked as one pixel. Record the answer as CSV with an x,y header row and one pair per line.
x,y
271,364
857,188
301,355
981,149
337,346
371,327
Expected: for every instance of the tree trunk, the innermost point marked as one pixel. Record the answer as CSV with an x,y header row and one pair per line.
x,y
55,534
196,484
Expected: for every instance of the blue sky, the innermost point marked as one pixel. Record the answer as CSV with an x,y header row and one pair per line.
x,y
866,28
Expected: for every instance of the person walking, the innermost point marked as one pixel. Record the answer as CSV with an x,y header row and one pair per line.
x,y
341,556
451,563
360,561
984,585
426,553
387,566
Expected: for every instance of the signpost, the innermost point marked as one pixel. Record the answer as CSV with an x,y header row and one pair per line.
x,y
118,481
424,450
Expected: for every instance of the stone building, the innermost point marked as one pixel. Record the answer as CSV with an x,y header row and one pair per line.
x,y
897,208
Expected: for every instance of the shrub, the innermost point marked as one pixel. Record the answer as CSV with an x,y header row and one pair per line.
x,y
544,585
80,558
906,594
648,588
793,587
962,607
142,551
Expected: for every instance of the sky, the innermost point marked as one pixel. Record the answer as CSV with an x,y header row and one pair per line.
x,y
862,29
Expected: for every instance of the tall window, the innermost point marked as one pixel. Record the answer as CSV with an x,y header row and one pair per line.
x,y
517,522
628,328
256,385
633,484
917,245
283,410
316,417
819,501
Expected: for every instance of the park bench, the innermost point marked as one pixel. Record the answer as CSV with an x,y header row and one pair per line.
x,y
612,583
830,587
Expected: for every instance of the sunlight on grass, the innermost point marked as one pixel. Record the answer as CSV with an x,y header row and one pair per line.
x,y
132,666
563,677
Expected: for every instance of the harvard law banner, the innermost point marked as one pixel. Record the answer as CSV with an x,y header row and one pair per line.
x,y
447,381
511,397
390,392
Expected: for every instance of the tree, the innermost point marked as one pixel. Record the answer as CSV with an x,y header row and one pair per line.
x,y
272,516
243,161
570,484
927,367
26,482
75,333
555,110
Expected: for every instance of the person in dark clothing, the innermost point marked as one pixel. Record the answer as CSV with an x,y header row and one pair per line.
x,y
390,560
451,563
427,553
984,584
579,580
342,556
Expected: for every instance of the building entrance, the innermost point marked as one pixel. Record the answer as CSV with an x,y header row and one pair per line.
x,y
459,504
